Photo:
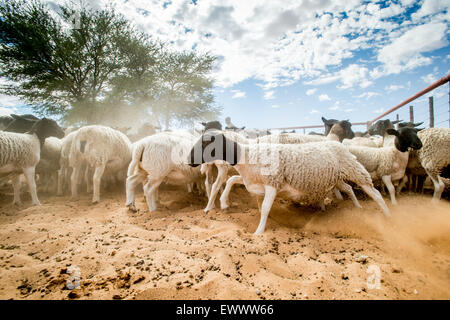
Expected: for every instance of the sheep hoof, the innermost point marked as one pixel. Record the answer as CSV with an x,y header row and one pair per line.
x,y
94,201
225,209
132,208
19,203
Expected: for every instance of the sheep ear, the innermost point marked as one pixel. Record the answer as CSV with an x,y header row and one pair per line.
x,y
324,120
418,124
203,124
392,132
242,128
418,129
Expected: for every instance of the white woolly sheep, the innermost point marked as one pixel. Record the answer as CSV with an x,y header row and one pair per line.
x,y
156,159
388,163
48,165
337,132
20,153
102,148
434,157
302,173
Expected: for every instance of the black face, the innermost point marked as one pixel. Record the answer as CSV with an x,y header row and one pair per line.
x,y
20,124
45,128
406,138
211,125
5,121
213,145
381,126
346,128
329,124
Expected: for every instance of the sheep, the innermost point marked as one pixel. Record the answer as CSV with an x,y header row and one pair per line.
x,y
48,165
5,121
20,153
361,141
21,124
289,138
64,168
380,128
146,129
389,163
302,172
339,131
102,148
434,157
156,159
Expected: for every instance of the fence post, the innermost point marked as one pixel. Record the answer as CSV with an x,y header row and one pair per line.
x,y
397,118
431,105
411,113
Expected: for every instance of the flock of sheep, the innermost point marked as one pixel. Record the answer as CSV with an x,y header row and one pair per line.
x,y
309,169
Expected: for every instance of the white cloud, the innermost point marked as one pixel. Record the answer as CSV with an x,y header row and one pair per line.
x,y
430,7
314,111
368,95
405,52
238,94
268,95
429,78
275,106
310,92
393,87
353,75
324,97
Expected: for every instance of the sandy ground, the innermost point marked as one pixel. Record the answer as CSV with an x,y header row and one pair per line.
x,y
179,253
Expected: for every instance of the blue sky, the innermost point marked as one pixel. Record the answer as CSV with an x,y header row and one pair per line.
x,y
289,63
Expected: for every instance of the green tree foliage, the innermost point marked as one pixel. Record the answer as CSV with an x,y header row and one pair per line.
x,y
92,66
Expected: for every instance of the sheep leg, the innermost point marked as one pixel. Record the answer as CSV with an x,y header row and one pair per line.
x,y
401,184
439,187
338,195
29,176
269,196
74,181
207,170
349,191
221,176
149,189
98,173
59,190
87,180
388,183
16,186
376,196
131,183
226,193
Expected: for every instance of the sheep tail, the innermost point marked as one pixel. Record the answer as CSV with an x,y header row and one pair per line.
x,y
136,159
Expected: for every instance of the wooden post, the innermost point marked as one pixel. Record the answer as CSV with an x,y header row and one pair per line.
x,y
411,113
431,106
397,118
304,131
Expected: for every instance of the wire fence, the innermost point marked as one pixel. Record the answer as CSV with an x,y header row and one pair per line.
x,y
430,106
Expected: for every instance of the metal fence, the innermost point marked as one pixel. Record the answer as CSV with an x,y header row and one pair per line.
x,y
430,106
